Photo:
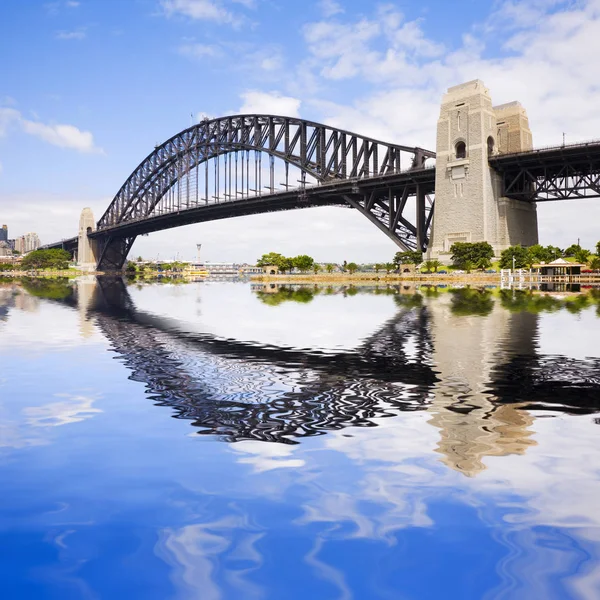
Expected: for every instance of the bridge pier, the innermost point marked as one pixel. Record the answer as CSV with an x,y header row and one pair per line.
x,y
113,251
86,247
469,206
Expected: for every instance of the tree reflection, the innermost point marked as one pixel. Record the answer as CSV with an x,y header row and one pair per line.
x,y
472,301
52,289
301,295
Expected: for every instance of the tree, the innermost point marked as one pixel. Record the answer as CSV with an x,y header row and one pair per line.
x,y
478,254
47,259
595,263
554,252
520,255
351,267
572,249
432,265
436,264
410,257
597,248
286,264
316,268
538,254
389,267
378,267
329,267
582,255
272,258
303,262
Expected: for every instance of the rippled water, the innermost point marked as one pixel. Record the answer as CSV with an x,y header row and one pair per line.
x,y
223,440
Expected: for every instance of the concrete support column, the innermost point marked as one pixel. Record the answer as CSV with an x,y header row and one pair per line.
x,y
421,233
86,247
469,206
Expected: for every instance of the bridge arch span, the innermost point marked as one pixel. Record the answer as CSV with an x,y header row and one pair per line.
x,y
215,170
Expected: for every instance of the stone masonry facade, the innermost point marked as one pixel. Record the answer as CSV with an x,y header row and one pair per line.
x,y
468,202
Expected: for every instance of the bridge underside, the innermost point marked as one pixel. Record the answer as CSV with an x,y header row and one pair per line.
x,y
399,205
561,173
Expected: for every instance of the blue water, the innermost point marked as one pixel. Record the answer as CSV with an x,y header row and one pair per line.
x,y
211,440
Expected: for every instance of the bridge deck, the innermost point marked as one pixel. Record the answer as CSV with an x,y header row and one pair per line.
x,y
557,173
328,194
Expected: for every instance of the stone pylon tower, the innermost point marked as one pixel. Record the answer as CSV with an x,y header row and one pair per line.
x,y
468,202
86,248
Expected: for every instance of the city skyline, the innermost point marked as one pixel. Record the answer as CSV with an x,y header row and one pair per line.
x,y
76,105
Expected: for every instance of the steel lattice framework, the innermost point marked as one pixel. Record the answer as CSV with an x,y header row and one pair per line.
x,y
216,170
560,173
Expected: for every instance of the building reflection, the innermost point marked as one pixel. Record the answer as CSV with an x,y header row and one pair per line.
x,y
468,349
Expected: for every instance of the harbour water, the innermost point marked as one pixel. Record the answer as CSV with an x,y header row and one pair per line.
x,y
233,441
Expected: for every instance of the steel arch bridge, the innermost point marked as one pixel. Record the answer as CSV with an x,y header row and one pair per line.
x,y
250,164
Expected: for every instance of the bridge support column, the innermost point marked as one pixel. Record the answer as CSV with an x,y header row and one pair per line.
x,y
86,247
421,222
113,252
469,206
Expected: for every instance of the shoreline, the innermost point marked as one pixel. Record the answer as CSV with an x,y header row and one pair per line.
x,y
482,278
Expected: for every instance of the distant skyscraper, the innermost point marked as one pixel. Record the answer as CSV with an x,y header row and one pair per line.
x,y
4,233
32,242
27,243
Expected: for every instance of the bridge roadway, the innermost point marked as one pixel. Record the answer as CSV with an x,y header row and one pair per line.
x,y
548,174
350,193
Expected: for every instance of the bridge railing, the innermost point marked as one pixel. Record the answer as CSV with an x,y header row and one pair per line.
x,y
538,149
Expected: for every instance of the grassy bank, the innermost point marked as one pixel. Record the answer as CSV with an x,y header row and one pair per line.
x,y
357,278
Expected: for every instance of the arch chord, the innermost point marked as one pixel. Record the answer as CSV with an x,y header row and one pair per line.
x,y
325,154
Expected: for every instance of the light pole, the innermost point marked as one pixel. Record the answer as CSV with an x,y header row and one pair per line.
x,y
513,262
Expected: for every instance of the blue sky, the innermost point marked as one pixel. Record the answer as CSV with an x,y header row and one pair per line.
x,y
88,88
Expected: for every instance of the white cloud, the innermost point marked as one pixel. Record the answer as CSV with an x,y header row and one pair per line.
x,y
71,410
77,34
63,136
54,8
8,116
52,216
547,61
198,51
210,10
329,8
269,103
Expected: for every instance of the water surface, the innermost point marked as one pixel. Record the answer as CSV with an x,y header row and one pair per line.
x,y
228,440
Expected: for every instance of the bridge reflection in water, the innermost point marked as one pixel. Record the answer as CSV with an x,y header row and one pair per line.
x,y
478,375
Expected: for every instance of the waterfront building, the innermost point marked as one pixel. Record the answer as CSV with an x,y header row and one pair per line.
x,y
224,269
270,270
559,270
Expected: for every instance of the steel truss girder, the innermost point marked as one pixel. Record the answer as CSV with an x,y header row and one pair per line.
x,y
387,209
566,183
113,251
325,153
561,173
